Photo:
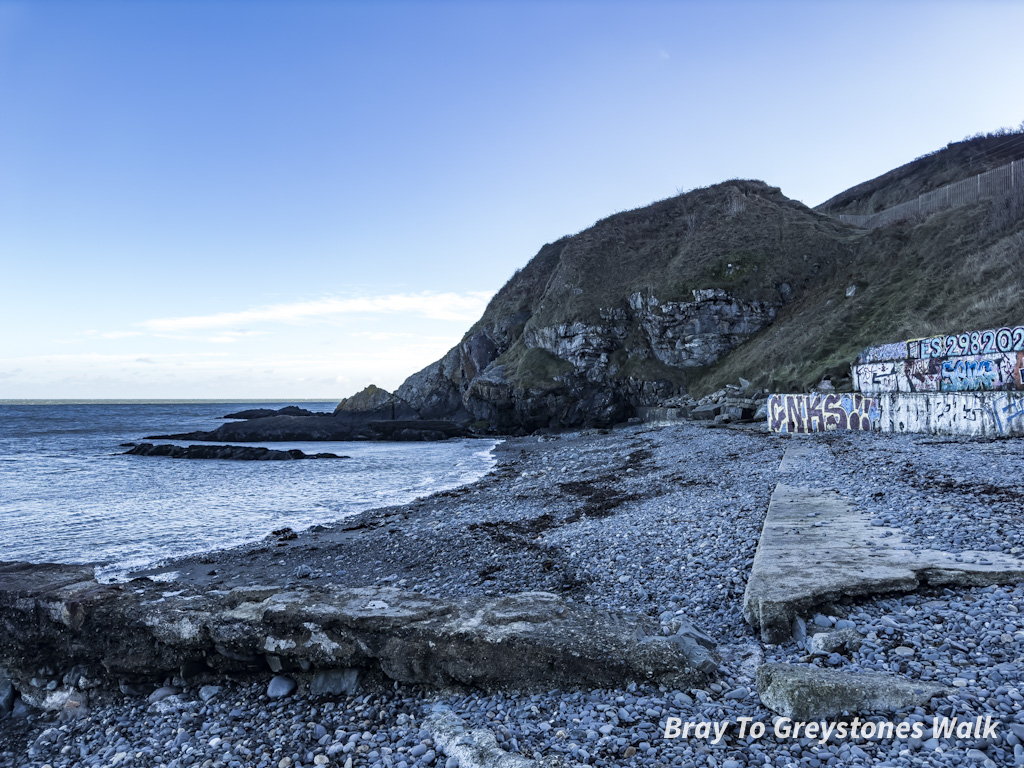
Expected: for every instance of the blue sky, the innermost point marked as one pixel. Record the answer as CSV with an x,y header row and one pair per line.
x,y
295,199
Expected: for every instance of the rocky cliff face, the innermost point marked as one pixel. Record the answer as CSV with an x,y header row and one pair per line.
x,y
735,280
612,319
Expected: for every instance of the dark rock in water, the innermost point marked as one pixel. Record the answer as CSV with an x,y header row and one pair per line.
x,y
373,414
58,616
263,413
343,426
231,452
416,430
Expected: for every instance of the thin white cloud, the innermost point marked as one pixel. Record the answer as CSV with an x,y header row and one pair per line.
x,y
464,307
396,335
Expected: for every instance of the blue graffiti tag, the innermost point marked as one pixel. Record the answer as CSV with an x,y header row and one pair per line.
x,y
968,375
1013,408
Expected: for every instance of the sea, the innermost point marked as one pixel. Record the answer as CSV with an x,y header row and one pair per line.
x,y
69,495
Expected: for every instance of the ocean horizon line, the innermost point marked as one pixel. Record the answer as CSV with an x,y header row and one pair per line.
x,y
160,400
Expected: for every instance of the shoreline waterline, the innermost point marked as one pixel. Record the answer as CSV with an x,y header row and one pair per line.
x,y
74,497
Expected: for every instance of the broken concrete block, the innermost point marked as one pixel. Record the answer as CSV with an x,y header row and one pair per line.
x,y
812,693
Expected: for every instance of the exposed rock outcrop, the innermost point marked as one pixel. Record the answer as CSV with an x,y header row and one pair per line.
x,y
372,414
262,413
614,318
230,452
59,618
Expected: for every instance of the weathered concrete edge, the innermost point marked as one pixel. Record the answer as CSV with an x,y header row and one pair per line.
x,y
58,616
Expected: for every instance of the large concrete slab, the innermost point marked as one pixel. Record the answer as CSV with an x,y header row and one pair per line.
x,y
58,616
817,548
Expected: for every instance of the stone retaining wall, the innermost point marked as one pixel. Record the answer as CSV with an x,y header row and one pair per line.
x,y
821,412
979,414
989,360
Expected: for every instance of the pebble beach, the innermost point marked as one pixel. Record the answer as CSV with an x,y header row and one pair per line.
x,y
662,521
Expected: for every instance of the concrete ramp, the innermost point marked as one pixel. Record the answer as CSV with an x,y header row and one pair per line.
x,y
816,548
795,456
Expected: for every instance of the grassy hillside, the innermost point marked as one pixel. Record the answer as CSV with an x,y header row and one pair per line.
x,y
956,270
744,236
956,161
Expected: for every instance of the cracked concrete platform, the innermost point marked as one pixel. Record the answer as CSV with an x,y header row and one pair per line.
x,y
816,548
58,615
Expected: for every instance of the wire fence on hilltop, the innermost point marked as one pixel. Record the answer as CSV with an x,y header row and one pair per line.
x,y
988,184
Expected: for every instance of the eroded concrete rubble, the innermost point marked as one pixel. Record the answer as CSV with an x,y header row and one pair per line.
x,y
812,693
86,633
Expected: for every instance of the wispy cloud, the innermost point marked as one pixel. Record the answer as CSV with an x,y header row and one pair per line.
x,y
398,335
464,307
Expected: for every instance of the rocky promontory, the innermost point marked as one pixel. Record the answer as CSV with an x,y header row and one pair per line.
x,y
678,298
372,414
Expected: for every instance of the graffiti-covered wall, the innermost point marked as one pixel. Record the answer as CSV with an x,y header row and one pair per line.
x,y
980,414
980,361
819,412
967,384
972,373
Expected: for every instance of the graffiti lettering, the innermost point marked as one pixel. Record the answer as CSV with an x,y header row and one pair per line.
x,y
1007,412
969,375
955,374
987,342
992,341
883,352
821,412
981,414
